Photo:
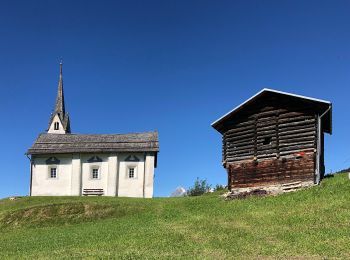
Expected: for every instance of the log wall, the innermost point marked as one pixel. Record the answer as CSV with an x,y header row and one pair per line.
x,y
271,143
272,171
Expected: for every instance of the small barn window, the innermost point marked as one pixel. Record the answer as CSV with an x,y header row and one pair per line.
x,y
53,172
267,140
56,125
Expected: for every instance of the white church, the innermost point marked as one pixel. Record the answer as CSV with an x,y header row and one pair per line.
x,y
66,164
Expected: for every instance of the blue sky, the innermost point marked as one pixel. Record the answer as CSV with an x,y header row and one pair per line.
x,y
171,66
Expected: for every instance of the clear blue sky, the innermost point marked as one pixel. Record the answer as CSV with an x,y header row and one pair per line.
x,y
171,66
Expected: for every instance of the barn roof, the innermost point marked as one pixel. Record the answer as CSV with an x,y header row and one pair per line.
x,y
321,106
95,143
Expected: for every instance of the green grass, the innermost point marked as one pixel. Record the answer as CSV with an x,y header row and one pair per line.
x,y
313,223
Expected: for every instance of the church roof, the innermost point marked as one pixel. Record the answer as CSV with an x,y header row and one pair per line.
x,y
95,143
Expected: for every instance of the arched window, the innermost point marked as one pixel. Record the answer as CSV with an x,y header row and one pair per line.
x,y
56,125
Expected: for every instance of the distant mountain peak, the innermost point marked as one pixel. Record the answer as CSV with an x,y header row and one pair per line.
x,y
178,192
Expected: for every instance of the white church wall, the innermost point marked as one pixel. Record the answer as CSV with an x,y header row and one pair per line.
x,y
74,173
43,185
149,175
76,176
87,181
131,187
112,175
60,130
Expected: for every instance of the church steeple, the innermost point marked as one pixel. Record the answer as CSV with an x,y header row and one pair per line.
x,y
59,120
59,108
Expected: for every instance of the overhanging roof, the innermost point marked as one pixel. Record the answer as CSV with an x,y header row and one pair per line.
x,y
95,143
264,91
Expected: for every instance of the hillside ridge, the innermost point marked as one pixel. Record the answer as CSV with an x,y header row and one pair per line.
x,y
310,223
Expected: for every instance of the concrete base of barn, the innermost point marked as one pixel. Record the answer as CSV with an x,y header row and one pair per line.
x,y
241,193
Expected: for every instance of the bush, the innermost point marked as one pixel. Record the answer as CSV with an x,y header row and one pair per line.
x,y
199,188
220,187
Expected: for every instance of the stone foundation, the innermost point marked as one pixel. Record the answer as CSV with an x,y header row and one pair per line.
x,y
239,193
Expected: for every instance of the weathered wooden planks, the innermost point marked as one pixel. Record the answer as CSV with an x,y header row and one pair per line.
x,y
262,145
250,174
268,130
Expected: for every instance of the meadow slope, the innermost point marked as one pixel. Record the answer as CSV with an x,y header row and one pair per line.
x,y
313,223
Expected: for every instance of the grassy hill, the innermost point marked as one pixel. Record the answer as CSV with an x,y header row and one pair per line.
x,y
313,223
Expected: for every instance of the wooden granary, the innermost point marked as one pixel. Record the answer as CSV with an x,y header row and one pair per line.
x,y
275,138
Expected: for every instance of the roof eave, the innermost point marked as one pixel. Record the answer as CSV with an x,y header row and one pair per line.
x,y
329,114
218,121
36,152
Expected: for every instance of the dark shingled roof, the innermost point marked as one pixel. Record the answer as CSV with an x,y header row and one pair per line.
x,y
95,143
320,106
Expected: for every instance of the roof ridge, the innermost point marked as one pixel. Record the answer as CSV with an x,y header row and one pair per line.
x,y
76,134
261,92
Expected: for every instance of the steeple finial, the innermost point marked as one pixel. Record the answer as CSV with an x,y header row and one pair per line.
x,y
61,63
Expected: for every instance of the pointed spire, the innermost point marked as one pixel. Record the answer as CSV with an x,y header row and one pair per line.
x,y
60,110
59,107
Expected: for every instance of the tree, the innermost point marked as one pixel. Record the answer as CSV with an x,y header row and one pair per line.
x,y
199,188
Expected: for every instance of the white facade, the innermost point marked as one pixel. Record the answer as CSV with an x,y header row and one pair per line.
x,y
116,174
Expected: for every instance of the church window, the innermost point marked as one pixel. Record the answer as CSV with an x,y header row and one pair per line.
x,y
131,173
53,172
56,125
95,173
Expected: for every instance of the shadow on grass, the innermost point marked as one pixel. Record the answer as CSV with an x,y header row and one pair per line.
x,y
64,214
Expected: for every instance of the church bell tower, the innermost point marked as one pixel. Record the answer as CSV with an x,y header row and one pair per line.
x,y
59,120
